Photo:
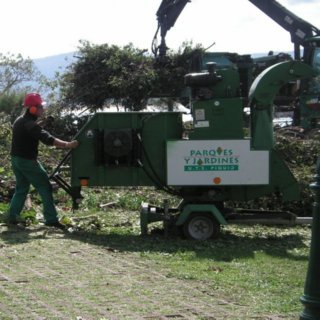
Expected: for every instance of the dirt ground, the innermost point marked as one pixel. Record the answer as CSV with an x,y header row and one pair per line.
x,y
49,274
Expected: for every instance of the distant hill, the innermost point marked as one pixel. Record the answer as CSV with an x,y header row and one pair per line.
x,y
48,66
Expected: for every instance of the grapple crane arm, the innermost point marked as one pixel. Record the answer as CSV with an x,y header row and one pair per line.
x,y
167,14
299,29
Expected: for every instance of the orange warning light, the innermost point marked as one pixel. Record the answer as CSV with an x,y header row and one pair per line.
x,y
84,182
217,180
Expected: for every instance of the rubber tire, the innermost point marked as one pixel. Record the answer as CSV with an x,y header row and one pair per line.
x,y
209,225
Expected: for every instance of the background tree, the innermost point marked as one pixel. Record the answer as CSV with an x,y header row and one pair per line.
x,y
10,105
17,76
14,71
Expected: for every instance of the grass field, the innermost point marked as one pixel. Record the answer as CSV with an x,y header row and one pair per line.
x,y
103,269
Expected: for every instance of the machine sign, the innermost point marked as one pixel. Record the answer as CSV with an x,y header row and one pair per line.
x,y
212,162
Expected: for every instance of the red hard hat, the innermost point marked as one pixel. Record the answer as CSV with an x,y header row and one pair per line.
x,y
32,99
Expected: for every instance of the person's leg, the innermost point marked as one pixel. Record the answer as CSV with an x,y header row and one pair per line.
x,y
38,177
20,194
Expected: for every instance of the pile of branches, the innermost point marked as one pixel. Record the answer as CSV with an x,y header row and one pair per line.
x,y
300,150
6,175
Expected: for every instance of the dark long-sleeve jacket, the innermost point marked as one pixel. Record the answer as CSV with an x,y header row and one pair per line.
x,y
26,134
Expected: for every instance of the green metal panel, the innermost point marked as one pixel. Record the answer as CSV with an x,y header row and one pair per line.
x,y
229,87
218,119
145,162
262,93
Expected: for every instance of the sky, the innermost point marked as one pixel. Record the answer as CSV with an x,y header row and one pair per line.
x,y
38,29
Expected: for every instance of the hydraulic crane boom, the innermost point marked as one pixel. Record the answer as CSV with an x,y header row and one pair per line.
x,y
167,15
299,29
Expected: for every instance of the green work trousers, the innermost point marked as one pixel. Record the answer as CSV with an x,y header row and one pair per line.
x,y
31,172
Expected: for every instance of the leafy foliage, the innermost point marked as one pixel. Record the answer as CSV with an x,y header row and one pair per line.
x,y
171,70
127,76
104,72
15,70
17,77
6,187
61,123
10,106
300,152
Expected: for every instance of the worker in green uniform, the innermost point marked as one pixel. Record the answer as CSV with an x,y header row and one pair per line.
x,y
26,135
